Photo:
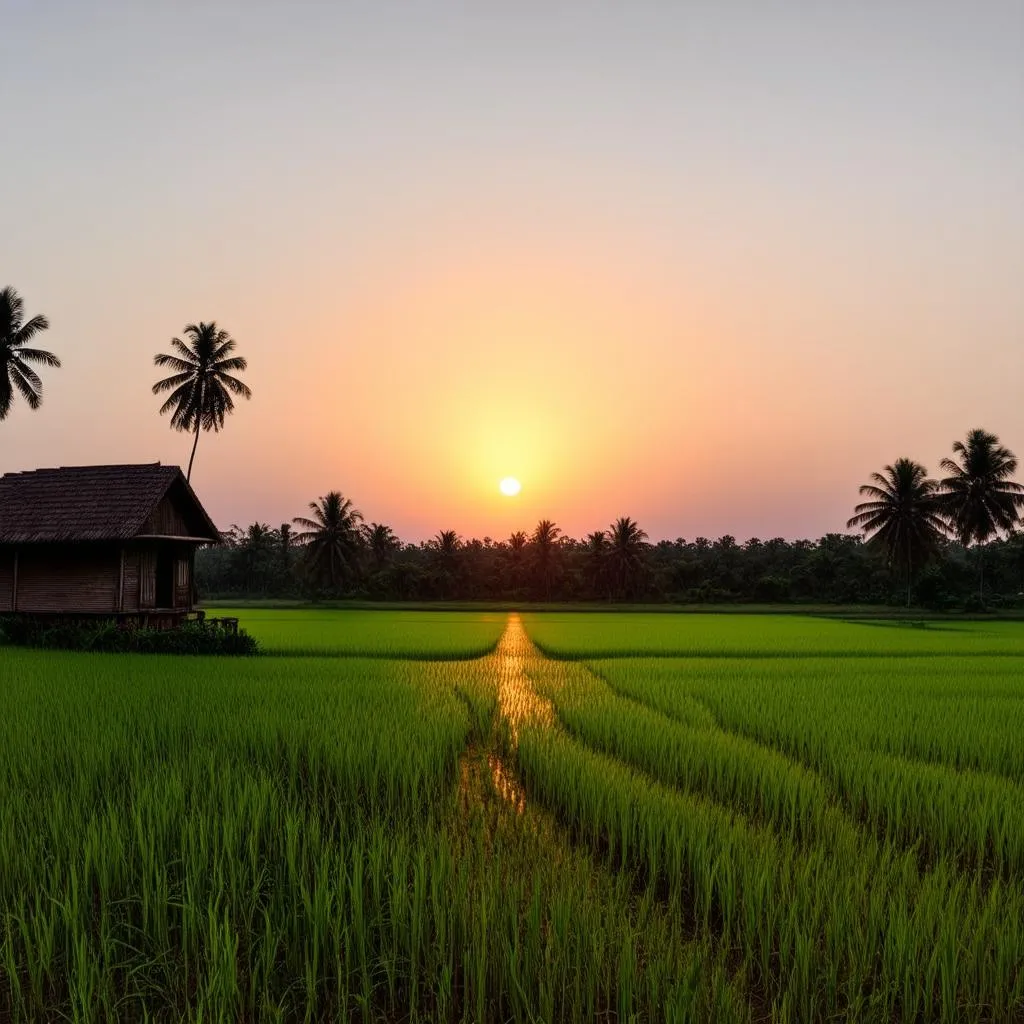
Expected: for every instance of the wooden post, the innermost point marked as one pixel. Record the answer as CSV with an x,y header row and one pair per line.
x,y
120,584
14,592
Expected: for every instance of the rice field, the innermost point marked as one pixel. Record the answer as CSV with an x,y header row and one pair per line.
x,y
448,817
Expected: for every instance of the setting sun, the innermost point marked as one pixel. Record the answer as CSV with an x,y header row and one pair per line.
x,y
510,486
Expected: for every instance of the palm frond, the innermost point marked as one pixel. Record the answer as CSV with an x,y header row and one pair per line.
x,y
24,334
38,355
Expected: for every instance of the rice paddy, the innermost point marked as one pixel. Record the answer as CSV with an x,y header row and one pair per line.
x,y
448,817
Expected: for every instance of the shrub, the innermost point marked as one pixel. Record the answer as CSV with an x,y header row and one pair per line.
x,y
111,637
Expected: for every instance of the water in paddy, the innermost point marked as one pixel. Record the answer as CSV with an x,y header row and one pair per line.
x,y
518,704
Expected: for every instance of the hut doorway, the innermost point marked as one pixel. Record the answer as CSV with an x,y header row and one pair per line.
x,y
164,579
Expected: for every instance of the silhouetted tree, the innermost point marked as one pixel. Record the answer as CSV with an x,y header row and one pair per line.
x,y
597,558
543,544
202,383
331,538
903,516
625,554
15,354
978,497
446,546
382,543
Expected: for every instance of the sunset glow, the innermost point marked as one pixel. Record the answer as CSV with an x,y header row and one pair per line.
x,y
671,261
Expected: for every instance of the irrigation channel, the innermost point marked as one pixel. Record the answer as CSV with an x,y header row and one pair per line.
x,y
518,703
493,792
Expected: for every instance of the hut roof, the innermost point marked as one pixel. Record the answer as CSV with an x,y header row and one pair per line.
x,y
90,503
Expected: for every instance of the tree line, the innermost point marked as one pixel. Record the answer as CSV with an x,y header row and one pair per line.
x,y
334,554
919,530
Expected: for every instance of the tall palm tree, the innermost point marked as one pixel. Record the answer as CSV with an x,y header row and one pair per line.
x,y
904,516
625,552
978,497
331,538
202,383
15,355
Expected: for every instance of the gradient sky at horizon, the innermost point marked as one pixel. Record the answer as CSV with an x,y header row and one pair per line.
x,y
706,264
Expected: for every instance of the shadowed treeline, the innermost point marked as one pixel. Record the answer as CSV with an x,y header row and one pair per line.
x,y
263,562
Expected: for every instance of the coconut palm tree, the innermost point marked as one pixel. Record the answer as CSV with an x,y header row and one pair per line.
x,y
597,556
447,544
202,383
543,541
625,553
446,547
904,516
514,559
978,497
382,542
15,355
332,538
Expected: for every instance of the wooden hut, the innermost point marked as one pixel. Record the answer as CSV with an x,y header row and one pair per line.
x,y
113,541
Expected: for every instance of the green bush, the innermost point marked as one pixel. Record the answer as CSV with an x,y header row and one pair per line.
x,y
114,638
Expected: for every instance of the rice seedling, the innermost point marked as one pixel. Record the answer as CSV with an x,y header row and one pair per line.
x,y
828,830
418,636
623,635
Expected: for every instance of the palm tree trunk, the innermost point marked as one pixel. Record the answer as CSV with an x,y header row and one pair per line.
x,y
910,577
195,444
981,574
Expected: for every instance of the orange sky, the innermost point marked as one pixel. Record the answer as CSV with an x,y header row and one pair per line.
x,y
712,294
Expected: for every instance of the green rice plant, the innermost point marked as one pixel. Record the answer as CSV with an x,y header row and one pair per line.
x,y
420,636
862,726
814,924
637,635
283,839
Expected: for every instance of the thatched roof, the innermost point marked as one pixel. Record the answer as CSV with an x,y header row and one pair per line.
x,y
90,503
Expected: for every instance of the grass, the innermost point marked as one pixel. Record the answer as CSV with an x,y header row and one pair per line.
x,y
763,636
754,819
416,635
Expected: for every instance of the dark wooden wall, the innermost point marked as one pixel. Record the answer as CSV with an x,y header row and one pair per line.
x,y
183,581
130,598
140,588
93,578
67,578
6,580
167,520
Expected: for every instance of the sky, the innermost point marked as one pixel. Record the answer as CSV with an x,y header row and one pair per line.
x,y
706,264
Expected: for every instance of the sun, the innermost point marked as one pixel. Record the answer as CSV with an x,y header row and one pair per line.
x,y
510,487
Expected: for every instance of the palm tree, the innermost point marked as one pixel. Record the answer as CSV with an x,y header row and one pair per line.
x,y
514,557
15,334
332,537
202,383
597,556
382,543
543,540
978,497
446,545
625,552
255,543
904,515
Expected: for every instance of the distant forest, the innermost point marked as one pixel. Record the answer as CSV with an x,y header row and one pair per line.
x,y
260,562
946,545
